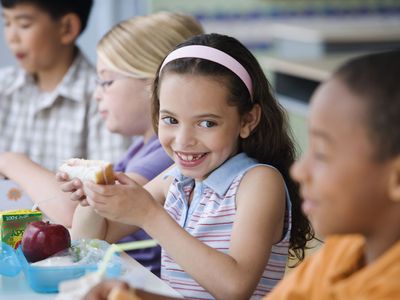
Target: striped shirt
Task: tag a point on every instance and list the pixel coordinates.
(50, 127)
(210, 219)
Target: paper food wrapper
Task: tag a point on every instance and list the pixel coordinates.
(77, 289)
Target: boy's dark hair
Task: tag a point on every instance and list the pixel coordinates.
(270, 142)
(375, 79)
(58, 8)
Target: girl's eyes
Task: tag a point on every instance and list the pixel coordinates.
(207, 124)
(173, 121)
(169, 120)
(104, 84)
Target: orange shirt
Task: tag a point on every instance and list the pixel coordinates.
(333, 274)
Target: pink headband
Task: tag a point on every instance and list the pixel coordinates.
(215, 55)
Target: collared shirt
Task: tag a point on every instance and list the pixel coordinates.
(210, 219)
(51, 127)
(334, 272)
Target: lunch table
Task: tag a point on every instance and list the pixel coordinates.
(133, 272)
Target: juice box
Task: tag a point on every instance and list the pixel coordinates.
(13, 224)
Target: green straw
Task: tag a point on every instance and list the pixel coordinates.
(114, 248)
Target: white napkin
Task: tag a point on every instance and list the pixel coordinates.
(78, 288)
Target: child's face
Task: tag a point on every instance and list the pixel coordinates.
(124, 102)
(197, 127)
(343, 186)
(32, 36)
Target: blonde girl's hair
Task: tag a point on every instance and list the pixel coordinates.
(136, 47)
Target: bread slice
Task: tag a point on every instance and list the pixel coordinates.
(119, 293)
(98, 171)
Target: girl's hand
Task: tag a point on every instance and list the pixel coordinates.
(125, 202)
(74, 187)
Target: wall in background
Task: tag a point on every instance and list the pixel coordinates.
(234, 17)
(252, 21)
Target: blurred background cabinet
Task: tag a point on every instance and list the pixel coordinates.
(295, 80)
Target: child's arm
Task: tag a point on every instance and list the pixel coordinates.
(86, 222)
(108, 216)
(89, 224)
(258, 225)
(40, 185)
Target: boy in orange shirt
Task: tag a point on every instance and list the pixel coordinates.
(350, 181)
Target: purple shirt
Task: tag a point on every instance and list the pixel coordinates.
(148, 160)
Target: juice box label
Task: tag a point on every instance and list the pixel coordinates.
(13, 224)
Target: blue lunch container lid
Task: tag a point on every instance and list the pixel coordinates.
(9, 263)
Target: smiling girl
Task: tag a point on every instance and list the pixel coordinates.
(227, 213)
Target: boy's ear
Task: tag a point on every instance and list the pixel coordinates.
(70, 28)
(394, 181)
(250, 121)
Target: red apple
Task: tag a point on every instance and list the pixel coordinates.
(43, 239)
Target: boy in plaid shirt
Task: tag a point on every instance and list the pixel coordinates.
(47, 113)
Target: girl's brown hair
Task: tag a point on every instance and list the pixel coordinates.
(270, 142)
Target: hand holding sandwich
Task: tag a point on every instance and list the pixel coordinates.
(125, 202)
(74, 171)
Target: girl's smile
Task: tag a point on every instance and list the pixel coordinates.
(190, 160)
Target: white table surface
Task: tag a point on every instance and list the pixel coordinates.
(134, 273)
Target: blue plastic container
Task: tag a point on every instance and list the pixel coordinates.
(46, 279)
(9, 264)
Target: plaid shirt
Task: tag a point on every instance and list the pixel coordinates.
(51, 127)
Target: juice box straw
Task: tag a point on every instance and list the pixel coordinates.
(123, 247)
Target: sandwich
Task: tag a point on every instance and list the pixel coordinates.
(98, 171)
